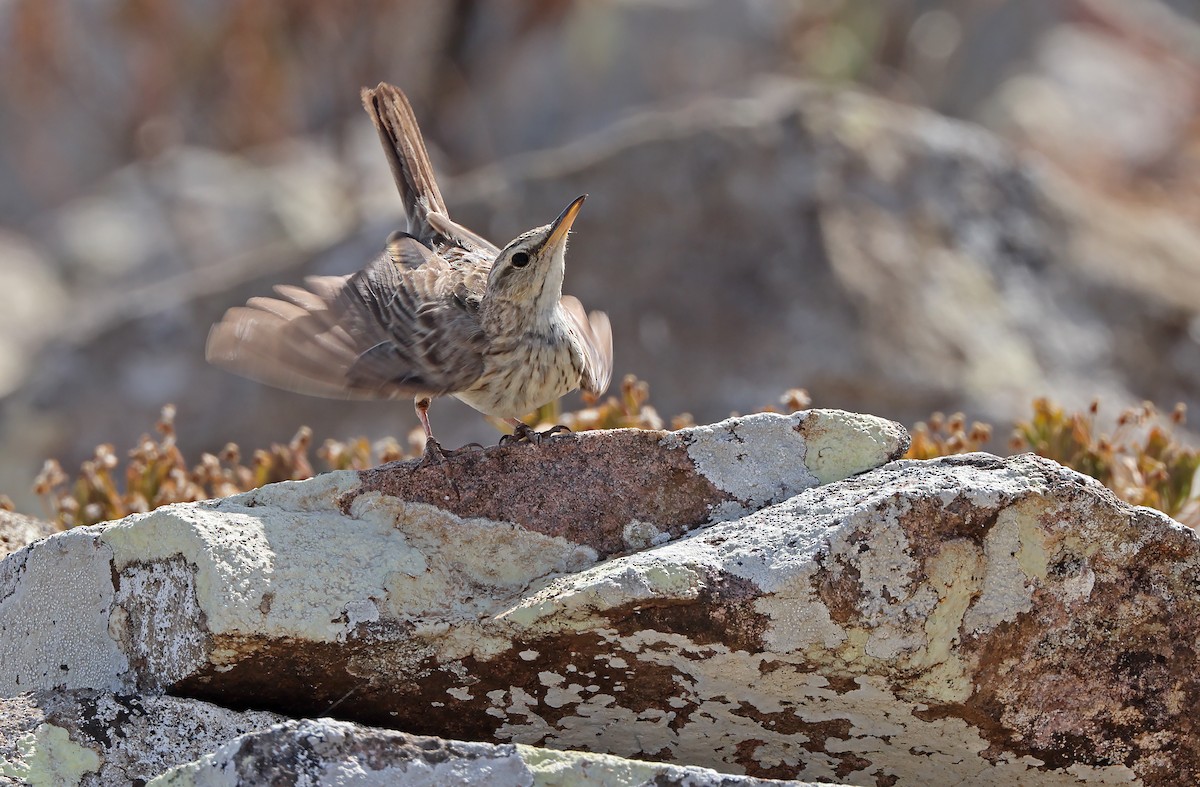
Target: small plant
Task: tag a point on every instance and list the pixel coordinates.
(1141, 461)
(630, 409)
(360, 454)
(157, 474)
(942, 436)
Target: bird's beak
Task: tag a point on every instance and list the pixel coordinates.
(562, 225)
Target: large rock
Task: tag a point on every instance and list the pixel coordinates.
(104, 739)
(970, 619)
(61, 737)
(336, 753)
(178, 594)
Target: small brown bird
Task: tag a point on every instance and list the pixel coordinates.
(440, 312)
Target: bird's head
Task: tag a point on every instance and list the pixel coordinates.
(530, 269)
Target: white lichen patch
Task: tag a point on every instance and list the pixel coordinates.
(265, 571)
(56, 599)
(462, 568)
(579, 600)
(729, 697)
(1014, 562)
(576, 768)
(284, 561)
(954, 573)
(842, 444)
(800, 622)
(637, 536)
(319, 493)
(48, 757)
(758, 459)
(552, 768)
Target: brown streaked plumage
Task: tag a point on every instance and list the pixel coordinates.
(442, 311)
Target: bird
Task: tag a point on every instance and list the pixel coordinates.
(441, 311)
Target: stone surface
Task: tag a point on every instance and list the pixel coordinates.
(100, 739)
(193, 591)
(331, 753)
(970, 619)
(654, 484)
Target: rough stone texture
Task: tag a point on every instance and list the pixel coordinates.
(100, 739)
(333, 753)
(97, 738)
(244, 584)
(18, 531)
(655, 484)
(964, 620)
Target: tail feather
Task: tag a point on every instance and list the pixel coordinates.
(402, 143)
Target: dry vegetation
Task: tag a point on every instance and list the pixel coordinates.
(1142, 460)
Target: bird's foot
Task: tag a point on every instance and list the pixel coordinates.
(435, 454)
(527, 434)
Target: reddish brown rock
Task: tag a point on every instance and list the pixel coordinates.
(590, 488)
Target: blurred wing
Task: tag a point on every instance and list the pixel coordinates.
(595, 334)
(384, 332)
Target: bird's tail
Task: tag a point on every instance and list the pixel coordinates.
(401, 137)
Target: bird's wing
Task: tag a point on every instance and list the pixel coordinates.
(405, 150)
(595, 334)
(384, 332)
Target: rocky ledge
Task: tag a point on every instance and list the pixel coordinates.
(774, 596)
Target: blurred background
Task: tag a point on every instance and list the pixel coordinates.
(903, 207)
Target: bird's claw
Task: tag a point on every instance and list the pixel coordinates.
(527, 434)
(435, 454)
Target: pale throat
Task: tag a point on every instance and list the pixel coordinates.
(551, 292)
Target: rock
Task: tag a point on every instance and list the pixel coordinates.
(18, 531)
(337, 753)
(827, 226)
(656, 485)
(191, 594)
(969, 619)
(64, 737)
(59, 737)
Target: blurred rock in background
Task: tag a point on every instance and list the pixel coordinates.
(757, 220)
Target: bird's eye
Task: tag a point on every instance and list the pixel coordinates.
(520, 259)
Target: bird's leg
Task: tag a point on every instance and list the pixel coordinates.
(433, 449)
(524, 433)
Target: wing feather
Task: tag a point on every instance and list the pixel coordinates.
(595, 334)
(384, 332)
